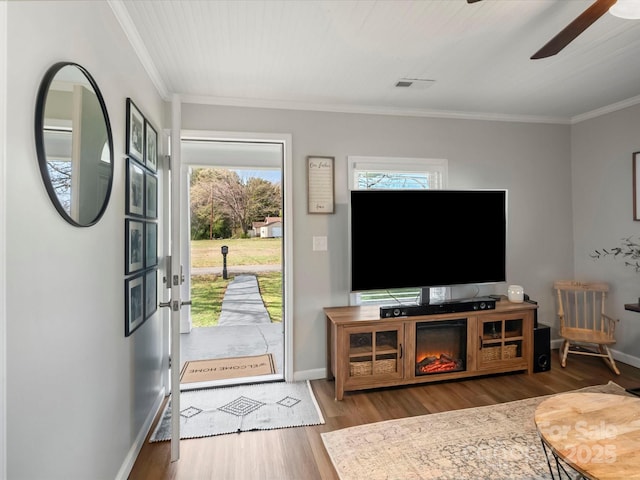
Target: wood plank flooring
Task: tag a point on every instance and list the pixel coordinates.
(298, 453)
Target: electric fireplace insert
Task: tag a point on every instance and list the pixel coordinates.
(441, 347)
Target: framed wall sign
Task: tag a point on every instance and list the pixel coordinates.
(320, 184)
(636, 186)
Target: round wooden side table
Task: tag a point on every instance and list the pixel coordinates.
(595, 434)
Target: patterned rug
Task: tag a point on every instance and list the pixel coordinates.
(493, 442)
(264, 406)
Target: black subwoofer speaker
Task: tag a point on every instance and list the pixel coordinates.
(541, 348)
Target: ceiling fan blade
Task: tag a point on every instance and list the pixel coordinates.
(574, 29)
(473, 1)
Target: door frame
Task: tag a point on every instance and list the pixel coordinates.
(287, 254)
(3, 239)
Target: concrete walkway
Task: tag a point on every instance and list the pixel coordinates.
(242, 303)
(244, 328)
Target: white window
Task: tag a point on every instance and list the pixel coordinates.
(393, 173)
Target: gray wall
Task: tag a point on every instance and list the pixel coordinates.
(79, 394)
(533, 161)
(601, 152)
(78, 391)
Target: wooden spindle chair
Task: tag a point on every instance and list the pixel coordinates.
(584, 326)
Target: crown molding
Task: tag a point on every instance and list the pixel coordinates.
(630, 102)
(130, 30)
(368, 110)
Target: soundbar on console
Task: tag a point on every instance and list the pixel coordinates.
(454, 306)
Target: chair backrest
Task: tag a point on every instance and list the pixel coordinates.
(581, 305)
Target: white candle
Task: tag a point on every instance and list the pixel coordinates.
(515, 293)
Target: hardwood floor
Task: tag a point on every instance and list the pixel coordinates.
(298, 453)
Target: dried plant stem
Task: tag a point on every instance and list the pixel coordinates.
(629, 250)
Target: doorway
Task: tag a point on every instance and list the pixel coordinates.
(250, 319)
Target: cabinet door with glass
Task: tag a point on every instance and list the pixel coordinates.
(375, 353)
(502, 340)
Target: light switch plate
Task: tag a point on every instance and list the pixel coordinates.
(319, 244)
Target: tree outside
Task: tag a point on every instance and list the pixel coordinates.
(224, 207)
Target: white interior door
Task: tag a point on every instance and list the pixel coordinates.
(175, 276)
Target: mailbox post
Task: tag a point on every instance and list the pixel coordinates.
(224, 250)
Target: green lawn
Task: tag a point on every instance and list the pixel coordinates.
(242, 251)
(207, 291)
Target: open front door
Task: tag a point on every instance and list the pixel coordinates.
(175, 277)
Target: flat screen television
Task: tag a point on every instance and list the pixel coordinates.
(427, 238)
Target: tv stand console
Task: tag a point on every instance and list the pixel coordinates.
(365, 351)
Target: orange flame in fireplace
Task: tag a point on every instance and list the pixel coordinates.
(438, 362)
(420, 356)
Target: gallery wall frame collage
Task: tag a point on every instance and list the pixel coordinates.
(141, 220)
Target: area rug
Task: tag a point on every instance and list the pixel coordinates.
(493, 442)
(264, 406)
(225, 368)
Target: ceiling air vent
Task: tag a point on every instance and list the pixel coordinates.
(414, 83)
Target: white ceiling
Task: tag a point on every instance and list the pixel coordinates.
(347, 55)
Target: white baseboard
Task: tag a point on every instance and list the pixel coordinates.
(315, 374)
(626, 358)
(131, 457)
(617, 355)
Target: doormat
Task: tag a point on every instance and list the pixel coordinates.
(265, 406)
(224, 368)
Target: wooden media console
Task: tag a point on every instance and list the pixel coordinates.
(365, 351)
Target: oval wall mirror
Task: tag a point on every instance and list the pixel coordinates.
(74, 143)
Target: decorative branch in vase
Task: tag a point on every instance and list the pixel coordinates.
(629, 250)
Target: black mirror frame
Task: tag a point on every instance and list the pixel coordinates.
(43, 91)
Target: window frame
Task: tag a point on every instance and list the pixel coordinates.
(356, 164)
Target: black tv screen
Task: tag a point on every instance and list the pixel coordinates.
(427, 238)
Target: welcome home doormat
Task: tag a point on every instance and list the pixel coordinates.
(224, 368)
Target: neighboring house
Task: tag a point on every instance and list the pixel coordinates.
(255, 229)
(270, 228)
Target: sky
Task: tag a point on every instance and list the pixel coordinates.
(273, 176)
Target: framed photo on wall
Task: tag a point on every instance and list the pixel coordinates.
(135, 132)
(150, 292)
(150, 146)
(134, 303)
(150, 244)
(636, 186)
(135, 189)
(151, 197)
(134, 245)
